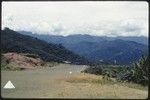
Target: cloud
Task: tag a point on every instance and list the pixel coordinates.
(65, 18)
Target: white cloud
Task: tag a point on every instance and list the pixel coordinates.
(65, 18)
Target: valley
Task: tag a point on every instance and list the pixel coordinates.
(39, 69)
(100, 49)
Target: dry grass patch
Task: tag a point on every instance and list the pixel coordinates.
(78, 88)
(133, 85)
(88, 78)
(83, 78)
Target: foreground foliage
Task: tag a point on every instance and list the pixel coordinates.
(137, 72)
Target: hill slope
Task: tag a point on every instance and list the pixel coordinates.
(14, 42)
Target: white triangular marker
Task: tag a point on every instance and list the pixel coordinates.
(9, 85)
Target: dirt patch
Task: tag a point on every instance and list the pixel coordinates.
(18, 60)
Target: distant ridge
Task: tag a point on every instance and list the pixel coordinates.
(84, 37)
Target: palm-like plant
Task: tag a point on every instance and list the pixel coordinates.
(140, 71)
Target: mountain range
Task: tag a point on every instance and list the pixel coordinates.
(118, 50)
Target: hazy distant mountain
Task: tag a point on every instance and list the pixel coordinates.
(122, 50)
(85, 38)
(141, 39)
(12, 41)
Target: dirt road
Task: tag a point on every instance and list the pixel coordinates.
(63, 81)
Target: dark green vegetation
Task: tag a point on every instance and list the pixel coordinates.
(14, 42)
(104, 50)
(137, 72)
(31, 55)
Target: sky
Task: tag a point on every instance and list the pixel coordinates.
(98, 18)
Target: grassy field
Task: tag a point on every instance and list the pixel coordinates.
(57, 82)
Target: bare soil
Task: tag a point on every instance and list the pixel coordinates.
(58, 82)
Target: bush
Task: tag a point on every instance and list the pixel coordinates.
(138, 72)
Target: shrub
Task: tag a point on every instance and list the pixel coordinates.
(138, 72)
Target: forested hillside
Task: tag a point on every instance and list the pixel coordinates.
(12, 41)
